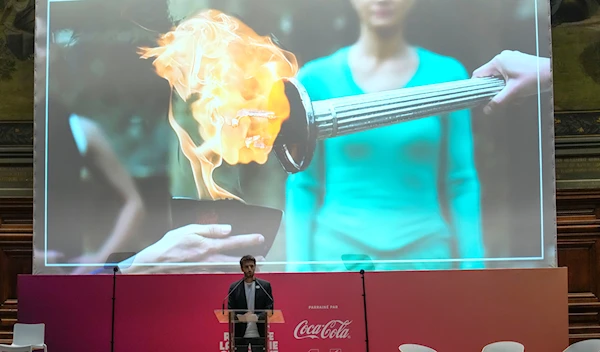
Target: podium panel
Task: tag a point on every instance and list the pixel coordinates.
(240, 316)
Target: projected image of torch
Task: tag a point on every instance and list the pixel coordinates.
(248, 102)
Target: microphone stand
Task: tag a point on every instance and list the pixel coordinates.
(114, 290)
(124, 259)
(350, 261)
(364, 294)
(268, 295)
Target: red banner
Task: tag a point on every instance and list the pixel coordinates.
(466, 310)
(449, 311)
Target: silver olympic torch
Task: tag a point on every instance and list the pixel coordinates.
(311, 121)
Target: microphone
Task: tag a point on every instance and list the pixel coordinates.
(268, 295)
(229, 294)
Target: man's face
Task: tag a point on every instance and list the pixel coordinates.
(248, 268)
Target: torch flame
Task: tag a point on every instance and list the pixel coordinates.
(236, 77)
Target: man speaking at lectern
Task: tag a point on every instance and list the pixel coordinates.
(250, 294)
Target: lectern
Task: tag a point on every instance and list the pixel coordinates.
(233, 317)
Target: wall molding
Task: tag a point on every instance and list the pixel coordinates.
(16, 159)
(16, 134)
(577, 123)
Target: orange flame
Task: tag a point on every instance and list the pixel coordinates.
(237, 78)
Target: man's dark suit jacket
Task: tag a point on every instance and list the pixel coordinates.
(237, 301)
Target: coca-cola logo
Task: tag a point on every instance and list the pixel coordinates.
(335, 329)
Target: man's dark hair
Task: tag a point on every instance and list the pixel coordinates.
(247, 258)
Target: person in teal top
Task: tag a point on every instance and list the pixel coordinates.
(383, 192)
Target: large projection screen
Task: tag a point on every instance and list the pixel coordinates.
(175, 136)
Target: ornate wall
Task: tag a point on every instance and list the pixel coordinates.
(17, 20)
(577, 127)
(578, 217)
(16, 216)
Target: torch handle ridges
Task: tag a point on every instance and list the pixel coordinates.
(340, 116)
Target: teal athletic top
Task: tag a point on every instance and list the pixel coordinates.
(376, 192)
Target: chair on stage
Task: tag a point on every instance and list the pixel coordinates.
(9, 348)
(592, 345)
(504, 346)
(29, 335)
(415, 348)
